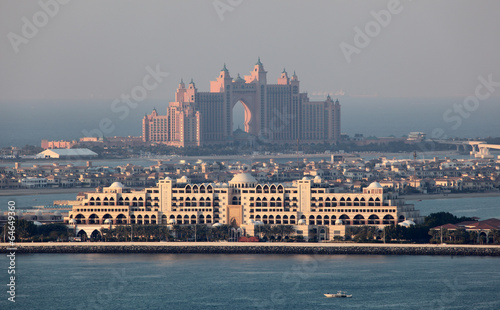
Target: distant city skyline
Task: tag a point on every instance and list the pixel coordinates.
(64, 64)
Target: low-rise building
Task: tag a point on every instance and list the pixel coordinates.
(33, 182)
(310, 205)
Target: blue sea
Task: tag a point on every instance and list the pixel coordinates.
(197, 281)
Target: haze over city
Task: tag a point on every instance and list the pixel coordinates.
(426, 58)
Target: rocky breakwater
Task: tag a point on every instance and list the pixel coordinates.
(330, 249)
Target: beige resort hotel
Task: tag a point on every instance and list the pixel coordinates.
(311, 205)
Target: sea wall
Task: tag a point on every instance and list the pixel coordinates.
(274, 249)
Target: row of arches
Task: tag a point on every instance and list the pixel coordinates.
(119, 219)
(95, 219)
(193, 219)
(325, 219)
(119, 202)
(346, 220)
(278, 219)
(342, 202)
(193, 202)
(269, 188)
(199, 189)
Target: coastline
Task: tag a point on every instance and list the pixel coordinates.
(253, 248)
(449, 196)
(43, 191)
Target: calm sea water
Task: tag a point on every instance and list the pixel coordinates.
(196, 281)
(482, 207)
(28, 201)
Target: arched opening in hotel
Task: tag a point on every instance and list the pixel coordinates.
(107, 216)
(271, 219)
(241, 116)
(373, 219)
(121, 219)
(93, 219)
(388, 219)
(96, 235)
(345, 218)
(359, 220)
(82, 234)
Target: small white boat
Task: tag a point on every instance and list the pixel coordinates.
(339, 294)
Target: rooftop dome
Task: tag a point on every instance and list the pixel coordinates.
(72, 221)
(57, 213)
(168, 179)
(243, 178)
(37, 223)
(259, 223)
(182, 179)
(171, 221)
(38, 213)
(117, 185)
(375, 185)
(339, 222)
(107, 221)
(301, 222)
(216, 225)
(251, 222)
(305, 178)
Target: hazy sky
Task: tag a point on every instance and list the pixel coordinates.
(97, 50)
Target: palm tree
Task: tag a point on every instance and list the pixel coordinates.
(495, 234)
(473, 235)
(288, 230)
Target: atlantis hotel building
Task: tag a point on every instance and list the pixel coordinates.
(274, 113)
(309, 204)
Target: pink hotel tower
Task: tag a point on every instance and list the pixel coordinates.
(274, 113)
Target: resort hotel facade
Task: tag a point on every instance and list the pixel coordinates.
(274, 113)
(310, 205)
